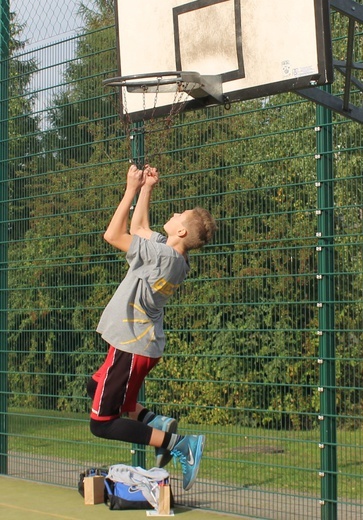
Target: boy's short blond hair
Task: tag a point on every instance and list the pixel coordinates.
(201, 227)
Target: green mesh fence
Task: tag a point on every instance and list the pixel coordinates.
(263, 340)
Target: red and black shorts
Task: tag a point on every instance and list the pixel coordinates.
(119, 380)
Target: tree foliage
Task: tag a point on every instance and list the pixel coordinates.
(24, 145)
(242, 344)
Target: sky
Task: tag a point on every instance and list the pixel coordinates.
(47, 22)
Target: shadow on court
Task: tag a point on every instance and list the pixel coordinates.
(26, 500)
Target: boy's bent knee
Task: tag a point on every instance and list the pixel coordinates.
(99, 428)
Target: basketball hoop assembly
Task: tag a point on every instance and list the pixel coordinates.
(182, 85)
(240, 50)
(201, 86)
(192, 83)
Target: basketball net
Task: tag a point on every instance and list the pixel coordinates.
(148, 138)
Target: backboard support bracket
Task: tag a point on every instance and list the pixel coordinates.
(346, 68)
(210, 86)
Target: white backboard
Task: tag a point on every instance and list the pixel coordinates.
(254, 47)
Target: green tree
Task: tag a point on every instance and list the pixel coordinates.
(84, 100)
(247, 313)
(241, 345)
(24, 145)
(65, 268)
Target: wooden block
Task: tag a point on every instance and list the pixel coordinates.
(164, 500)
(94, 490)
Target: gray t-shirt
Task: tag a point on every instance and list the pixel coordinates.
(133, 319)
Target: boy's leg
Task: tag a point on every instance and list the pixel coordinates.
(112, 383)
(163, 424)
(141, 367)
(188, 449)
(160, 422)
(118, 384)
(125, 430)
(141, 413)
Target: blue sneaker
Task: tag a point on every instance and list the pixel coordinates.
(165, 424)
(189, 451)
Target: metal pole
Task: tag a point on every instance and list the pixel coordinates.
(4, 115)
(138, 149)
(327, 362)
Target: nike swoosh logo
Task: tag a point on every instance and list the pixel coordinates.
(190, 459)
(133, 489)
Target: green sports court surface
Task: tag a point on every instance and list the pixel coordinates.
(25, 500)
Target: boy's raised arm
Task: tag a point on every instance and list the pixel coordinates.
(117, 233)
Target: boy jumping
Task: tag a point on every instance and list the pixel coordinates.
(132, 323)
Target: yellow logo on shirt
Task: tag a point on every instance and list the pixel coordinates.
(164, 287)
(149, 329)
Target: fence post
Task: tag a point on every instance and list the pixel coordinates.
(327, 385)
(4, 114)
(137, 149)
